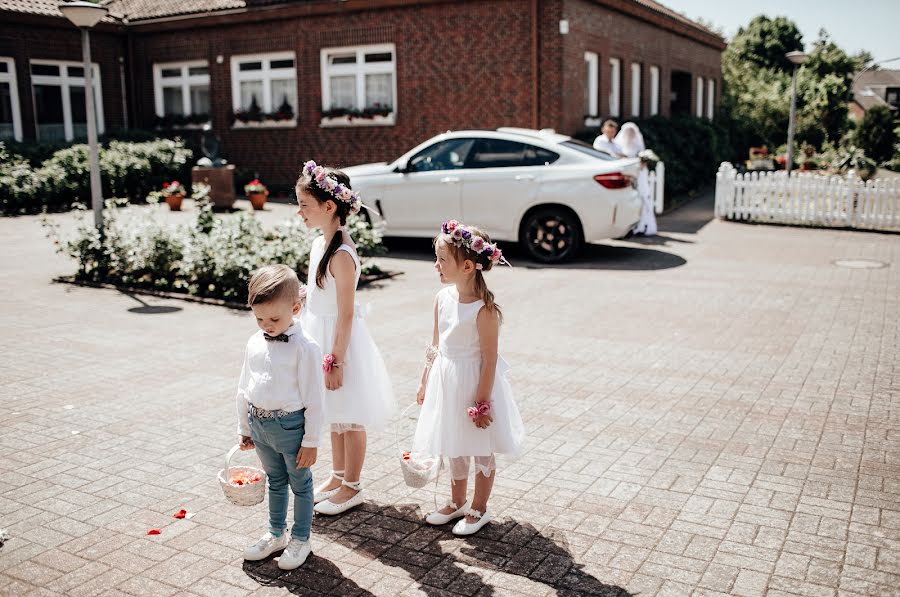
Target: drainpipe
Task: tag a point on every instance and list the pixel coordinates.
(535, 75)
(124, 94)
(131, 91)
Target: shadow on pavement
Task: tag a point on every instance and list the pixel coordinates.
(148, 309)
(691, 217)
(434, 558)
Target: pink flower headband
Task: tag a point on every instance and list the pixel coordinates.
(330, 185)
(464, 236)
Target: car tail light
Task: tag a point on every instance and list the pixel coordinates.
(614, 180)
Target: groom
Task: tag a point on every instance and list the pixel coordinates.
(606, 140)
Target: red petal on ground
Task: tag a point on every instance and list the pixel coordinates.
(154, 532)
(180, 514)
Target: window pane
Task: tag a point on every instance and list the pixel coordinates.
(172, 103)
(342, 58)
(289, 63)
(343, 92)
(171, 72)
(446, 155)
(284, 95)
(4, 67)
(379, 91)
(587, 149)
(245, 66)
(200, 99)
(379, 57)
(45, 69)
(498, 153)
(49, 112)
(79, 112)
(6, 115)
(198, 70)
(538, 156)
(75, 71)
(251, 95)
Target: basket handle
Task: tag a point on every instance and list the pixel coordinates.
(231, 453)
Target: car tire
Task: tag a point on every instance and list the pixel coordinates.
(551, 235)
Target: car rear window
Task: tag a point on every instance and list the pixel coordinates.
(586, 149)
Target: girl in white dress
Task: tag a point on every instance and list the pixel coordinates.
(468, 409)
(358, 395)
(631, 141)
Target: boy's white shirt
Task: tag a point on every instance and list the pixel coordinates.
(283, 376)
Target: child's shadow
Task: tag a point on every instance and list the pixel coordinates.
(317, 576)
(397, 536)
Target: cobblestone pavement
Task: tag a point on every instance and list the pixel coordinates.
(711, 411)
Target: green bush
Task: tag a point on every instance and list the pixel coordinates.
(876, 135)
(213, 257)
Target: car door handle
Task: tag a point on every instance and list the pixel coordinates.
(450, 179)
(525, 177)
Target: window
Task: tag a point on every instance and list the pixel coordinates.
(587, 149)
(60, 110)
(10, 117)
(264, 87)
(615, 68)
(710, 98)
(500, 153)
(592, 86)
(699, 112)
(445, 155)
(360, 81)
(654, 90)
(635, 89)
(892, 96)
(182, 91)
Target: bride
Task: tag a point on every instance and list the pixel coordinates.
(631, 142)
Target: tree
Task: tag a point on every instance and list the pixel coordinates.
(763, 44)
(876, 134)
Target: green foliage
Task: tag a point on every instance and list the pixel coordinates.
(763, 44)
(876, 134)
(212, 257)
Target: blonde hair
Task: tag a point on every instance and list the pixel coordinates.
(273, 282)
(461, 253)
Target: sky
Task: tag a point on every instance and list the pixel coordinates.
(871, 25)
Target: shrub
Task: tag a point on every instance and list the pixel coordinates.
(876, 135)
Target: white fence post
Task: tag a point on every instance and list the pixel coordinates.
(659, 187)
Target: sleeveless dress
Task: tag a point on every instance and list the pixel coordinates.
(366, 398)
(444, 428)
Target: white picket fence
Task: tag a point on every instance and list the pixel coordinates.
(657, 182)
(808, 199)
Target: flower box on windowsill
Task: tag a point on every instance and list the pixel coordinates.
(375, 120)
(183, 127)
(265, 124)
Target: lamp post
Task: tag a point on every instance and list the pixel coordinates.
(797, 58)
(85, 15)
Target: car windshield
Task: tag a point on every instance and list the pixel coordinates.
(586, 149)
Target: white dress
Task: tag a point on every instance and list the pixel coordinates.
(366, 397)
(444, 428)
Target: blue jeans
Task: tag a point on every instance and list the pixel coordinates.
(277, 444)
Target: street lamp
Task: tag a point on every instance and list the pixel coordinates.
(85, 15)
(797, 58)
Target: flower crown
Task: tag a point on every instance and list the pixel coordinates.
(464, 236)
(330, 185)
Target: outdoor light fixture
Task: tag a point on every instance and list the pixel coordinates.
(797, 58)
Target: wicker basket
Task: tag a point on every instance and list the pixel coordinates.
(417, 472)
(242, 495)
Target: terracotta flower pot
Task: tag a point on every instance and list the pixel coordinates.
(174, 201)
(258, 200)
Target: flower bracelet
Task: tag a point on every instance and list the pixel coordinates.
(479, 410)
(329, 362)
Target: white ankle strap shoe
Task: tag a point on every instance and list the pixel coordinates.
(464, 528)
(329, 508)
(436, 518)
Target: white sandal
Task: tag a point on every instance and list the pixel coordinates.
(329, 508)
(437, 518)
(464, 528)
(322, 495)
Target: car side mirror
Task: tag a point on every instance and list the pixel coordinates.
(402, 168)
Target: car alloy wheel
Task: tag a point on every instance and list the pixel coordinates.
(551, 235)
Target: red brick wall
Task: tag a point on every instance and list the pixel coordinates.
(59, 41)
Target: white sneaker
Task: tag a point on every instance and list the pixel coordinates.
(464, 528)
(266, 546)
(437, 518)
(294, 554)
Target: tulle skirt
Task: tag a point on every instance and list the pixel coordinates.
(444, 427)
(366, 397)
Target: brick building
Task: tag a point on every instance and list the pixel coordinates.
(355, 80)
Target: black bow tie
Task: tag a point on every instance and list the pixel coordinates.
(278, 338)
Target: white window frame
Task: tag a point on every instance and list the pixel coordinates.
(699, 102)
(64, 81)
(266, 75)
(615, 87)
(360, 70)
(185, 82)
(592, 63)
(10, 78)
(636, 88)
(710, 98)
(654, 90)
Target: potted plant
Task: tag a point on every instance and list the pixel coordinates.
(256, 192)
(173, 192)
